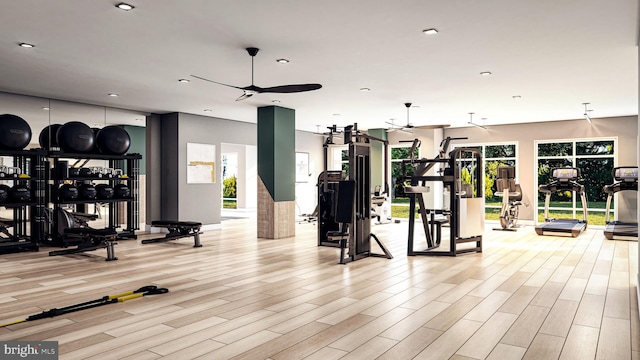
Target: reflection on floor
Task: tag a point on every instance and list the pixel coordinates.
(240, 297)
(231, 214)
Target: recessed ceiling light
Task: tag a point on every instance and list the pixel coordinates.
(282, 61)
(125, 7)
(113, 95)
(208, 110)
(516, 97)
(275, 101)
(485, 73)
(365, 89)
(26, 45)
(430, 31)
(46, 108)
(184, 80)
(336, 114)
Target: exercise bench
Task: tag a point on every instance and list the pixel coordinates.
(177, 230)
(89, 240)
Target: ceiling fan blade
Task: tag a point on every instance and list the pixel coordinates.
(246, 95)
(284, 89)
(431, 127)
(215, 82)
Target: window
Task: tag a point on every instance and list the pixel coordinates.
(493, 156)
(340, 159)
(595, 159)
(400, 200)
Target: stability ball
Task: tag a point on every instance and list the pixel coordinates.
(113, 140)
(75, 137)
(15, 133)
(47, 138)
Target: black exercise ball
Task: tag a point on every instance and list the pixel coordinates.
(68, 192)
(15, 133)
(105, 191)
(47, 138)
(113, 140)
(122, 191)
(20, 193)
(75, 137)
(5, 190)
(88, 191)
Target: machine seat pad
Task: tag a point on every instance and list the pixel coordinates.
(88, 231)
(169, 223)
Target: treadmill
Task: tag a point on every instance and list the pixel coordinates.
(625, 178)
(563, 179)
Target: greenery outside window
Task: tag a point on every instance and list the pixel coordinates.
(595, 158)
(493, 156)
(400, 200)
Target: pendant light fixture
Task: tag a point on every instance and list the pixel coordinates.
(474, 124)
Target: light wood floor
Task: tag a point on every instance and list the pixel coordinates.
(526, 296)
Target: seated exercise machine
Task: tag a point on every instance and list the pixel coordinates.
(74, 230)
(463, 209)
(177, 230)
(563, 179)
(344, 205)
(511, 194)
(626, 179)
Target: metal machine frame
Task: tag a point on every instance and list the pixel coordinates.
(465, 209)
(359, 229)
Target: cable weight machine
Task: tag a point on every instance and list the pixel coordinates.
(344, 204)
(463, 209)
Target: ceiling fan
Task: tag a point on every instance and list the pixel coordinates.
(409, 126)
(251, 90)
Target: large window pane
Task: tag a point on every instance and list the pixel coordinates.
(401, 153)
(399, 199)
(555, 149)
(594, 148)
(500, 151)
(596, 173)
(544, 177)
(595, 160)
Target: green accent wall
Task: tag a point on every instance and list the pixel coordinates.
(377, 158)
(138, 144)
(277, 151)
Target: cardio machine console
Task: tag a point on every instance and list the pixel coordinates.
(626, 174)
(565, 174)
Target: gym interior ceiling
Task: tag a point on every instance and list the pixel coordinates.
(546, 58)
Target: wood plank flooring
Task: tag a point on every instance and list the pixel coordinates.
(239, 297)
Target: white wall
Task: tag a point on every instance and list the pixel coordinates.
(307, 192)
(251, 177)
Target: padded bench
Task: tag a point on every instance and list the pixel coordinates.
(90, 239)
(177, 230)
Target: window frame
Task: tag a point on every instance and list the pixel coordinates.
(574, 157)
